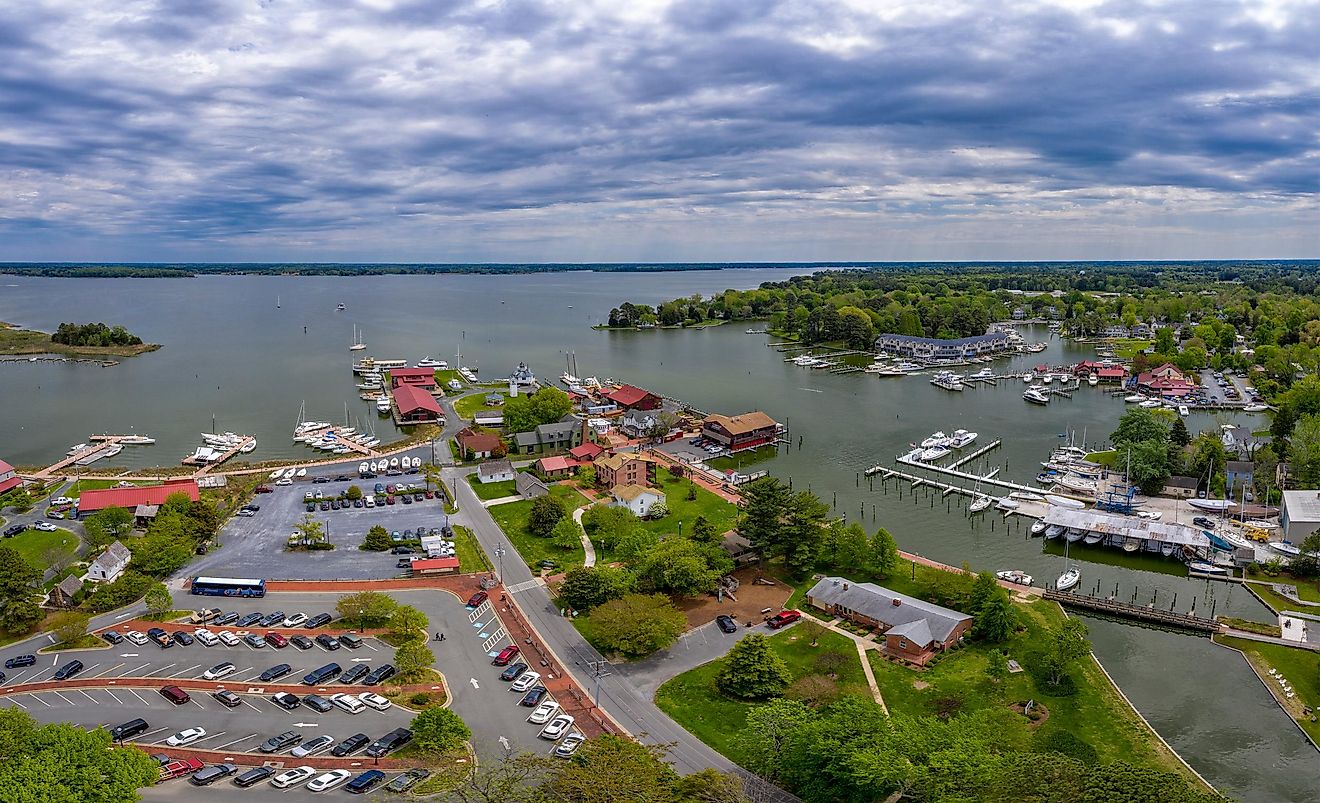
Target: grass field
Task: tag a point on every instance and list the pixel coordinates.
(719, 512)
(491, 490)
(32, 543)
(695, 703)
(512, 518)
(469, 406)
(1306, 590)
(1108, 458)
(1296, 665)
(471, 558)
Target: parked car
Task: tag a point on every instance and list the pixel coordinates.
(283, 741)
(129, 729)
(328, 641)
(353, 674)
(322, 674)
(347, 702)
(351, 745)
(379, 675)
(175, 695)
(276, 640)
(227, 618)
(275, 673)
(476, 599)
(525, 682)
(725, 622)
(253, 776)
(285, 700)
(406, 781)
(229, 638)
(365, 782)
(317, 703)
(186, 736)
(318, 621)
(254, 641)
(45, 527)
(264, 489)
(293, 777)
(543, 712)
(569, 745)
(301, 642)
(68, 670)
(328, 780)
(228, 699)
(373, 700)
(534, 696)
(513, 672)
(505, 655)
(112, 637)
(211, 774)
(557, 727)
(181, 637)
(312, 746)
(248, 620)
(273, 618)
(20, 661)
(350, 641)
(136, 637)
(161, 638)
(783, 618)
(389, 742)
(177, 768)
(14, 530)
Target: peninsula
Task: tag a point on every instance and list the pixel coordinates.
(73, 340)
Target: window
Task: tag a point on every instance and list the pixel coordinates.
(902, 644)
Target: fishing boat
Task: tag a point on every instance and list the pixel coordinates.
(1068, 579)
(1092, 539)
(1053, 531)
(1135, 398)
(1015, 576)
(979, 504)
(1035, 396)
(1063, 501)
(1026, 496)
(1202, 567)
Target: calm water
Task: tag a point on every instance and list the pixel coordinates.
(229, 352)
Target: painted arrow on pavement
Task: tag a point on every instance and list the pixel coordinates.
(474, 684)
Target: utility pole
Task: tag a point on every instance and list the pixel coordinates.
(598, 672)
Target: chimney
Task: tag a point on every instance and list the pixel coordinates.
(896, 602)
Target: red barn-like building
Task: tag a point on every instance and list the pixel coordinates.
(634, 398)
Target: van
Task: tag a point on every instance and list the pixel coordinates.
(350, 641)
(175, 695)
(318, 676)
(129, 729)
(68, 670)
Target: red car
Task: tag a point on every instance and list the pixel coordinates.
(477, 598)
(506, 655)
(783, 618)
(265, 489)
(276, 640)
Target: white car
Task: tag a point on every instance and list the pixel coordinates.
(295, 620)
(45, 527)
(292, 777)
(557, 727)
(570, 745)
(136, 637)
(312, 746)
(525, 681)
(219, 670)
(329, 780)
(544, 712)
(205, 637)
(230, 639)
(60, 501)
(369, 500)
(187, 736)
(347, 702)
(284, 481)
(374, 700)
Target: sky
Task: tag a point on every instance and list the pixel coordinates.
(653, 130)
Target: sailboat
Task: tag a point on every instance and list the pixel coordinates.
(357, 345)
(1071, 575)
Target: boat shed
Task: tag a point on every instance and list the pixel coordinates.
(1301, 514)
(1152, 535)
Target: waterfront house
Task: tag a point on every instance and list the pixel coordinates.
(556, 467)
(522, 377)
(1239, 475)
(738, 432)
(65, 593)
(638, 424)
(9, 479)
(495, 471)
(1300, 514)
(431, 567)
(549, 438)
(930, 348)
(637, 498)
(110, 564)
(529, 486)
(130, 496)
(415, 377)
(1166, 380)
(1019, 314)
(416, 406)
(625, 468)
(476, 445)
(1180, 487)
(914, 630)
(634, 398)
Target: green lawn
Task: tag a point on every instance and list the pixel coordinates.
(512, 518)
(1127, 348)
(471, 558)
(1108, 458)
(743, 459)
(469, 406)
(695, 703)
(491, 490)
(32, 543)
(1305, 590)
(1297, 666)
(76, 489)
(716, 509)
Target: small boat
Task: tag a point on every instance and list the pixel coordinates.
(1132, 545)
(1134, 398)
(75, 449)
(340, 308)
(1216, 505)
(1047, 379)
(1151, 403)
(137, 440)
(1015, 576)
(417, 462)
(1261, 524)
(1255, 408)
(302, 472)
(1182, 410)
(1073, 535)
(1167, 548)
(1026, 496)
(1068, 579)
(961, 438)
(1150, 515)
(1063, 501)
(362, 468)
(1202, 567)
(289, 473)
(1039, 528)
(1006, 504)
(1285, 548)
(1093, 380)
(1035, 396)
(1092, 539)
(936, 453)
(1053, 531)
(250, 445)
(979, 504)
(1077, 484)
(394, 462)
(277, 473)
(1047, 477)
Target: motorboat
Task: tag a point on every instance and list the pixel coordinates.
(1073, 535)
(936, 439)
(289, 473)
(1063, 501)
(1077, 484)
(1255, 408)
(1285, 548)
(1035, 396)
(1167, 548)
(417, 462)
(1053, 530)
(1015, 576)
(302, 472)
(136, 440)
(1091, 539)
(1132, 545)
(1026, 496)
(1134, 398)
(1151, 404)
(394, 462)
(934, 453)
(1150, 515)
(1047, 477)
(1216, 505)
(1182, 410)
(362, 467)
(947, 380)
(250, 445)
(1047, 379)
(1202, 567)
(961, 438)
(1038, 528)
(75, 449)
(1068, 579)
(979, 504)
(984, 373)
(383, 404)
(340, 308)
(1093, 380)
(427, 362)
(1005, 504)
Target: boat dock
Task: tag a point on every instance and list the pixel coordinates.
(353, 445)
(953, 472)
(965, 459)
(205, 467)
(99, 443)
(1129, 610)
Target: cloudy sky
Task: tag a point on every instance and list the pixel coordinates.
(605, 130)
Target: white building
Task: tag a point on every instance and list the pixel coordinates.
(1300, 514)
(495, 471)
(111, 563)
(637, 498)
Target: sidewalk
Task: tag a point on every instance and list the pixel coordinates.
(863, 643)
(587, 546)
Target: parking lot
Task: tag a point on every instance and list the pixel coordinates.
(254, 546)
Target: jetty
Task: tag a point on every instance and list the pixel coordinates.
(965, 459)
(1107, 606)
(207, 466)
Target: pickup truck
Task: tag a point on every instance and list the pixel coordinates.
(179, 768)
(203, 616)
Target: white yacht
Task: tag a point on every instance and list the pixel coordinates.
(1015, 576)
(357, 344)
(1068, 579)
(1093, 380)
(1150, 404)
(1134, 398)
(979, 503)
(934, 453)
(383, 404)
(1035, 396)
(937, 438)
(961, 438)
(76, 449)
(1255, 408)
(427, 362)
(1182, 410)
(947, 380)
(136, 440)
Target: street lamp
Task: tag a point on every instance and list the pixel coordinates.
(499, 555)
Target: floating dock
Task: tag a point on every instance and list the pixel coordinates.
(965, 459)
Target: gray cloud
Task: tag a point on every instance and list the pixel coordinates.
(675, 130)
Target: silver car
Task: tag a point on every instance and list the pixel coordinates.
(312, 746)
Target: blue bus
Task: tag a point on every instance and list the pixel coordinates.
(228, 587)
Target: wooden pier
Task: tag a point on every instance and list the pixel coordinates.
(1128, 610)
(205, 467)
(991, 446)
(988, 478)
(98, 443)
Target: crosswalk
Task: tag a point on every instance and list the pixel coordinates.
(525, 585)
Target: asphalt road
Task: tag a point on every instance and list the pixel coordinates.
(698, 646)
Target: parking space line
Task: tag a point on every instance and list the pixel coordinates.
(35, 677)
(236, 741)
(112, 694)
(367, 644)
(38, 699)
(15, 678)
(89, 697)
(108, 669)
(181, 671)
(249, 705)
(135, 694)
(154, 671)
(134, 669)
(212, 736)
(61, 696)
(154, 732)
(15, 702)
(194, 702)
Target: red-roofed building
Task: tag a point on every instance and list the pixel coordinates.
(557, 467)
(416, 406)
(9, 480)
(477, 444)
(419, 377)
(129, 498)
(1111, 373)
(634, 398)
(1166, 380)
(432, 566)
(586, 452)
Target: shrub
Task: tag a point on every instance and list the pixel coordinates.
(1061, 741)
(419, 699)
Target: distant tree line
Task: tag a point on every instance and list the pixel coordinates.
(94, 334)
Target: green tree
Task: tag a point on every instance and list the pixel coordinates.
(996, 619)
(69, 626)
(585, 588)
(884, 553)
(545, 406)
(566, 534)
(853, 550)
(353, 492)
(1209, 457)
(612, 768)
(406, 622)
(703, 532)
(803, 532)
(19, 611)
(752, 671)
(439, 730)
(377, 540)
(765, 506)
(545, 513)
(158, 600)
(608, 525)
(679, 566)
(1178, 435)
(1149, 466)
(997, 668)
(66, 763)
(768, 732)
(367, 608)
(1139, 425)
(637, 624)
(412, 657)
(310, 530)
(1066, 646)
(104, 526)
(1304, 451)
(586, 476)
(1164, 343)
